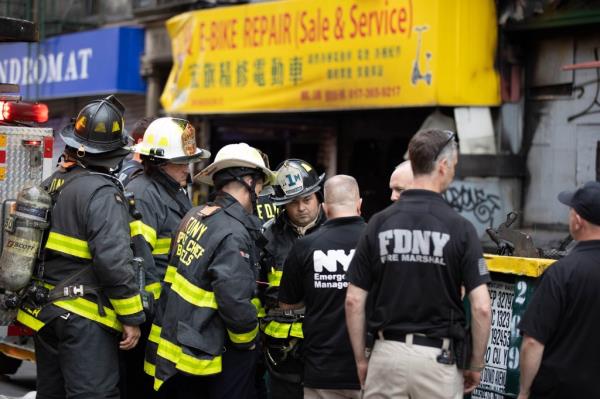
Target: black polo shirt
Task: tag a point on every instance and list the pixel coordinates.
(314, 273)
(564, 315)
(413, 258)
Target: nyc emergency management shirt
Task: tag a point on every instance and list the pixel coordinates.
(413, 258)
(315, 273)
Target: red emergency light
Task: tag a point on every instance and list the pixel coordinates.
(11, 111)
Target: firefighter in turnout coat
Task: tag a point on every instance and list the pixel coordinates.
(298, 191)
(166, 150)
(207, 333)
(93, 305)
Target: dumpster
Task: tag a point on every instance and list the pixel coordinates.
(514, 280)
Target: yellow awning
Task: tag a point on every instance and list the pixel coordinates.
(299, 55)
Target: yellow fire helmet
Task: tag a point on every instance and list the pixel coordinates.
(239, 155)
(171, 140)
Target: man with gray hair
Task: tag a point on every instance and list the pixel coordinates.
(412, 260)
(400, 180)
(314, 276)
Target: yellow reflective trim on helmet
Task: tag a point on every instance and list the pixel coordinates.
(68, 245)
(276, 329)
(162, 246)
(274, 277)
(296, 330)
(242, 338)
(157, 383)
(155, 289)
(100, 127)
(137, 227)
(149, 368)
(80, 124)
(187, 363)
(154, 335)
(306, 166)
(29, 321)
(127, 306)
(260, 310)
(163, 142)
(116, 127)
(193, 294)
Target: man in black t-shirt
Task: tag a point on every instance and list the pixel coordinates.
(412, 260)
(314, 276)
(560, 350)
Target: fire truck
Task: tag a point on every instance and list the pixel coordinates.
(25, 159)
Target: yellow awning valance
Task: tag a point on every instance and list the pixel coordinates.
(297, 55)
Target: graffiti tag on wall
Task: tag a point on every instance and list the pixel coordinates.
(479, 202)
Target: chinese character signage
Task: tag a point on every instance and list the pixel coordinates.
(333, 54)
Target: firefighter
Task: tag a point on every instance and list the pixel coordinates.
(298, 191)
(207, 333)
(133, 166)
(166, 150)
(93, 306)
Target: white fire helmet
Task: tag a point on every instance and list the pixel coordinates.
(171, 140)
(236, 155)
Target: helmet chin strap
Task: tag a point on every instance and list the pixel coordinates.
(251, 189)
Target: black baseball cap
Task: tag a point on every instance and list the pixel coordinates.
(585, 201)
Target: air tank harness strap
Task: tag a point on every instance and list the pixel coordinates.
(66, 289)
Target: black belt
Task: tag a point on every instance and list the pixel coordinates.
(417, 339)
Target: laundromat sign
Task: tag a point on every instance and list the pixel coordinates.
(333, 54)
(87, 63)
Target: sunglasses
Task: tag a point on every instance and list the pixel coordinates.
(451, 137)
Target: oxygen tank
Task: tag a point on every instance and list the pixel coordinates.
(24, 232)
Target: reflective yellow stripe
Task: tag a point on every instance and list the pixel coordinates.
(193, 294)
(187, 363)
(154, 335)
(137, 227)
(154, 289)
(274, 277)
(260, 310)
(149, 368)
(278, 330)
(296, 330)
(243, 338)
(162, 246)
(170, 274)
(127, 306)
(157, 383)
(29, 321)
(68, 245)
(89, 310)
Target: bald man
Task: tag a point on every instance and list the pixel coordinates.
(400, 180)
(314, 276)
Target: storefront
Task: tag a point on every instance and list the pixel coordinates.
(67, 71)
(343, 84)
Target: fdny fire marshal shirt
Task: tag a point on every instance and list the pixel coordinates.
(563, 315)
(413, 258)
(315, 273)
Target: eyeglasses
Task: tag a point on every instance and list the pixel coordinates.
(451, 137)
